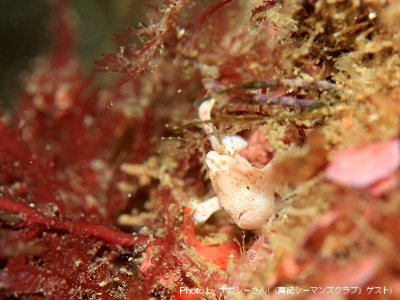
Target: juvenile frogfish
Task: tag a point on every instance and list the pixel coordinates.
(246, 193)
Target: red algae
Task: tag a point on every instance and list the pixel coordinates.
(98, 181)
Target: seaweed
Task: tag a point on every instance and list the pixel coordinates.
(99, 181)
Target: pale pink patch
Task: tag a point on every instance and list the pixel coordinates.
(356, 273)
(257, 150)
(289, 268)
(362, 166)
(382, 186)
(322, 224)
(146, 264)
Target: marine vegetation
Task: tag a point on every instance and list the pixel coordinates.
(238, 150)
